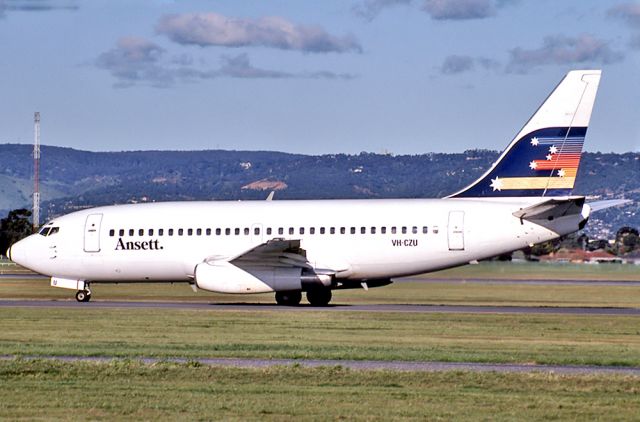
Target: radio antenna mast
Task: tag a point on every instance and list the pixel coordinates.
(36, 171)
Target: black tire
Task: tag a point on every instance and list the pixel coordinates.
(291, 298)
(81, 296)
(319, 296)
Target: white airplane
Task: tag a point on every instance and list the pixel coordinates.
(315, 246)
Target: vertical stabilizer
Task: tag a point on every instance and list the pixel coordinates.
(543, 158)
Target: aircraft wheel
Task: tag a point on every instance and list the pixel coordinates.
(319, 296)
(291, 298)
(83, 295)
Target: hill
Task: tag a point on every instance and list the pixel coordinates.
(72, 179)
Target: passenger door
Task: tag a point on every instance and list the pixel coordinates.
(455, 230)
(92, 233)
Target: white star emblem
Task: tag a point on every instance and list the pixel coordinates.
(496, 184)
(533, 165)
(534, 141)
(561, 173)
(549, 157)
(553, 149)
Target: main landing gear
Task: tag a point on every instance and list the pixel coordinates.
(316, 297)
(83, 295)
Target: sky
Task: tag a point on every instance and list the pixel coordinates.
(311, 77)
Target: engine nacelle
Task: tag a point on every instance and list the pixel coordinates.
(224, 277)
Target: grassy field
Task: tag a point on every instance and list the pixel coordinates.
(128, 390)
(164, 391)
(131, 333)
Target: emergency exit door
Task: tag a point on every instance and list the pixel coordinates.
(455, 230)
(92, 233)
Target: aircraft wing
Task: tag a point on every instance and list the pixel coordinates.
(274, 253)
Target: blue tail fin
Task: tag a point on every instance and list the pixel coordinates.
(543, 158)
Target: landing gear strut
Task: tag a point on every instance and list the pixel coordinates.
(319, 296)
(83, 295)
(291, 298)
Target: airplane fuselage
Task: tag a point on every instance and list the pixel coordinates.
(355, 239)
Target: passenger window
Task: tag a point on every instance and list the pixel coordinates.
(131, 232)
(190, 232)
(256, 230)
(198, 232)
(343, 230)
(363, 230)
(180, 232)
(218, 232)
(393, 230)
(425, 229)
(321, 230)
(280, 230)
(237, 231)
(269, 231)
(301, 230)
(404, 230)
(112, 232)
(160, 232)
(170, 232)
(383, 230)
(246, 231)
(140, 232)
(312, 230)
(150, 232)
(291, 230)
(208, 232)
(227, 232)
(353, 230)
(121, 232)
(414, 230)
(332, 230)
(373, 230)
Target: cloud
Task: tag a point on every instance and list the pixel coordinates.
(437, 9)
(459, 9)
(369, 9)
(563, 50)
(212, 29)
(36, 5)
(137, 61)
(628, 12)
(456, 64)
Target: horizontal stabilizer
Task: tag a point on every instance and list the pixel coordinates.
(552, 209)
(601, 205)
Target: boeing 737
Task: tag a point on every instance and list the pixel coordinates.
(316, 246)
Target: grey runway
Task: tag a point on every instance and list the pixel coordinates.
(370, 365)
(98, 304)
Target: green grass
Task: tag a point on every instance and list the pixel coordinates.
(165, 391)
(131, 333)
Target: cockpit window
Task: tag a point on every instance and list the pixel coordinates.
(48, 231)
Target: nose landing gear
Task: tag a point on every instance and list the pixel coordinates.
(83, 295)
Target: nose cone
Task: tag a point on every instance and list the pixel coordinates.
(18, 253)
